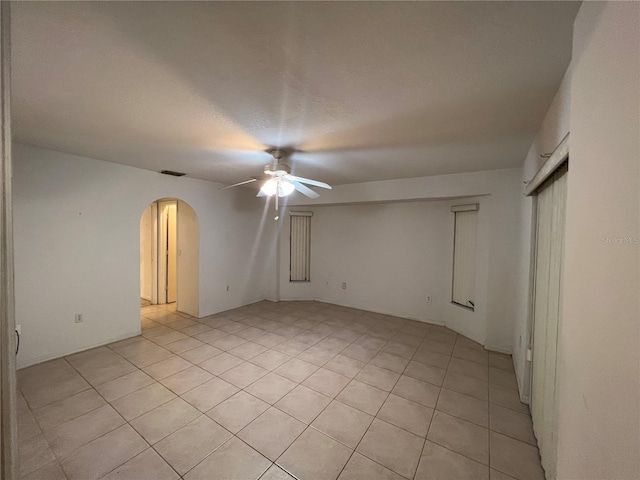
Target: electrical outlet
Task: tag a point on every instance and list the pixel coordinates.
(344, 285)
(79, 318)
(428, 299)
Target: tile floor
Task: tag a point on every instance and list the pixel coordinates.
(277, 391)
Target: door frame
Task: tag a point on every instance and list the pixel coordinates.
(9, 467)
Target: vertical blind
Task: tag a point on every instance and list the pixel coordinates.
(464, 255)
(550, 226)
(300, 247)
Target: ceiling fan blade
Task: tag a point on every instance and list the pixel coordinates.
(238, 184)
(303, 189)
(315, 183)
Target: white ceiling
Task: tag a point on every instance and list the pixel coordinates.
(365, 91)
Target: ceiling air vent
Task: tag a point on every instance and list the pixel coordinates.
(172, 173)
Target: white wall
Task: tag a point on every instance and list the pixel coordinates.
(146, 254)
(77, 227)
(599, 360)
(553, 129)
(353, 243)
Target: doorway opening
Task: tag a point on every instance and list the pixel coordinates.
(169, 256)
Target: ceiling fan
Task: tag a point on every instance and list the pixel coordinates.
(278, 180)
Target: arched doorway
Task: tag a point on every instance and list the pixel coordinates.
(169, 255)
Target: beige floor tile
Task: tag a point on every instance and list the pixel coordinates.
(181, 324)
(303, 403)
(195, 329)
(511, 423)
(271, 388)
(156, 331)
(327, 382)
(75, 433)
(220, 363)
(184, 345)
(270, 339)
(146, 466)
(51, 471)
(392, 447)
(315, 456)
(515, 458)
(62, 411)
(233, 460)
(248, 350)
(211, 335)
(271, 359)
(496, 475)
(232, 327)
(363, 397)
(477, 355)
(131, 346)
(429, 357)
(189, 445)
(27, 425)
(507, 397)
(164, 420)
(276, 473)
(349, 367)
(436, 345)
(360, 467)
(50, 381)
(332, 344)
(238, 411)
(400, 349)
(426, 373)
(142, 401)
(296, 370)
(250, 333)
(200, 354)
(34, 453)
(144, 359)
(228, 343)
(347, 335)
(244, 374)
(103, 454)
(463, 437)
(186, 380)
(467, 385)
(316, 355)
(170, 337)
(343, 423)
(272, 433)
(406, 414)
(390, 362)
(439, 463)
(124, 385)
(358, 352)
(167, 367)
(416, 390)
(291, 347)
(378, 377)
(464, 406)
(502, 378)
(470, 369)
(209, 394)
(501, 361)
(100, 365)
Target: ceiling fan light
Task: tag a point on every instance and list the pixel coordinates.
(285, 188)
(270, 187)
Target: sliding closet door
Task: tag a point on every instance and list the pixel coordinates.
(547, 312)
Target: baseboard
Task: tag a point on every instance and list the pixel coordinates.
(54, 356)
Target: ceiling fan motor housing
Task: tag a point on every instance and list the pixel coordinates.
(277, 169)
